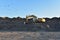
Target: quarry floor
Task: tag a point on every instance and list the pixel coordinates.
(17, 35)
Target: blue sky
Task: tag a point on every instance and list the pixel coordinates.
(40, 8)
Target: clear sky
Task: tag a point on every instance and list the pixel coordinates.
(40, 8)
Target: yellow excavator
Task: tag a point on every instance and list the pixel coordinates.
(30, 19)
(40, 20)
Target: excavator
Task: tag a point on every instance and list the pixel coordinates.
(39, 20)
(31, 19)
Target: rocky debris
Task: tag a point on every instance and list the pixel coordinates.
(17, 24)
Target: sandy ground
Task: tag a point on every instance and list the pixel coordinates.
(29, 35)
